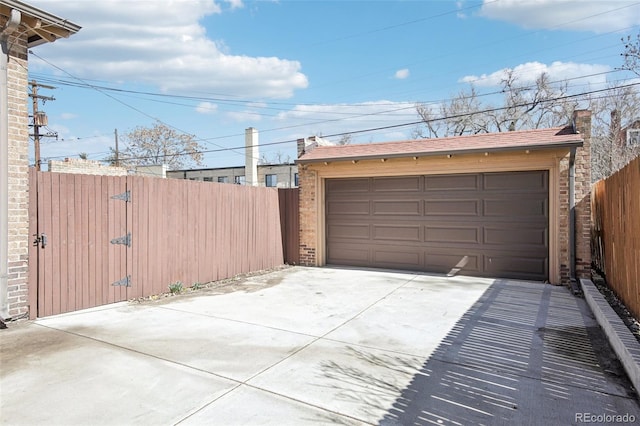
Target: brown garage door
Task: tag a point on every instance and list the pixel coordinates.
(485, 224)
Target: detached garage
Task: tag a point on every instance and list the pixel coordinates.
(491, 205)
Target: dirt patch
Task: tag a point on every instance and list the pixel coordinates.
(629, 320)
(248, 283)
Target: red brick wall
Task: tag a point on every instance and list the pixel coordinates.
(308, 217)
(582, 122)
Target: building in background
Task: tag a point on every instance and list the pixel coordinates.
(274, 175)
(95, 167)
(251, 174)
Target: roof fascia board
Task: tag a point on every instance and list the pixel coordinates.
(43, 24)
(573, 144)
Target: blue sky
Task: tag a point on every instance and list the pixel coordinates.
(296, 68)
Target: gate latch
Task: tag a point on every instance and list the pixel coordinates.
(40, 240)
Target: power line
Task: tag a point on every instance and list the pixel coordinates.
(413, 123)
(118, 100)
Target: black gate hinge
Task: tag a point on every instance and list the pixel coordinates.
(125, 282)
(125, 196)
(125, 240)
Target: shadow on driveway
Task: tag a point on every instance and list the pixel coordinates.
(522, 354)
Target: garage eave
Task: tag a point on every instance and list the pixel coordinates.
(41, 26)
(444, 152)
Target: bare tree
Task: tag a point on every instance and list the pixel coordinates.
(631, 54)
(523, 107)
(611, 114)
(462, 115)
(159, 145)
(277, 158)
(345, 139)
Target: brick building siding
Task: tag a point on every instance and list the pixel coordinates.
(18, 218)
(85, 167)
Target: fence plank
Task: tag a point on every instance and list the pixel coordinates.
(105, 238)
(33, 248)
(44, 219)
(77, 207)
(64, 244)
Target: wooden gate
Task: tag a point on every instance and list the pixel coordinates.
(74, 220)
(104, 239)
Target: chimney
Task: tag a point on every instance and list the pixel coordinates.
(615, 126)
(251, 156)
(308, 144)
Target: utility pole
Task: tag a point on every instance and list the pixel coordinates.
(39, 118)
(117, 153)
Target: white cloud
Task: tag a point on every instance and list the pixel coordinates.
(207, 108)
(235, 4)
(165, 46)
(596, 16)
(459, 6)
(557, 71)
(331, 119)
(246, 116)
(402, 74)
(68, 116)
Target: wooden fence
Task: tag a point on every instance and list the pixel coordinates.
(615, 209)
(103, 239)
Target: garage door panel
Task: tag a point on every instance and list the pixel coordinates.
(338, 186)
(401, 184)
(452, 234)
(348, 208)
(515, 266)
(515, 207)
(348, 254)
(398, 257)
(349, 231)
(444, 262)
(397, 232)
(452, 182)
(516, 236)
(482, 224)
(452, 207)
(520, 182)
(398, 207)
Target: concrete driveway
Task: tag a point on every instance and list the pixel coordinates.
(319, 346)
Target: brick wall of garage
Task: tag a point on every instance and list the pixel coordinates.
(309, 215)
(18, 175)
(582, 120)
(582, 191)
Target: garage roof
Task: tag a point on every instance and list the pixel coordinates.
(557, 137)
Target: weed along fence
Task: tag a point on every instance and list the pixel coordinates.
(616, 232)
(104, 239)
